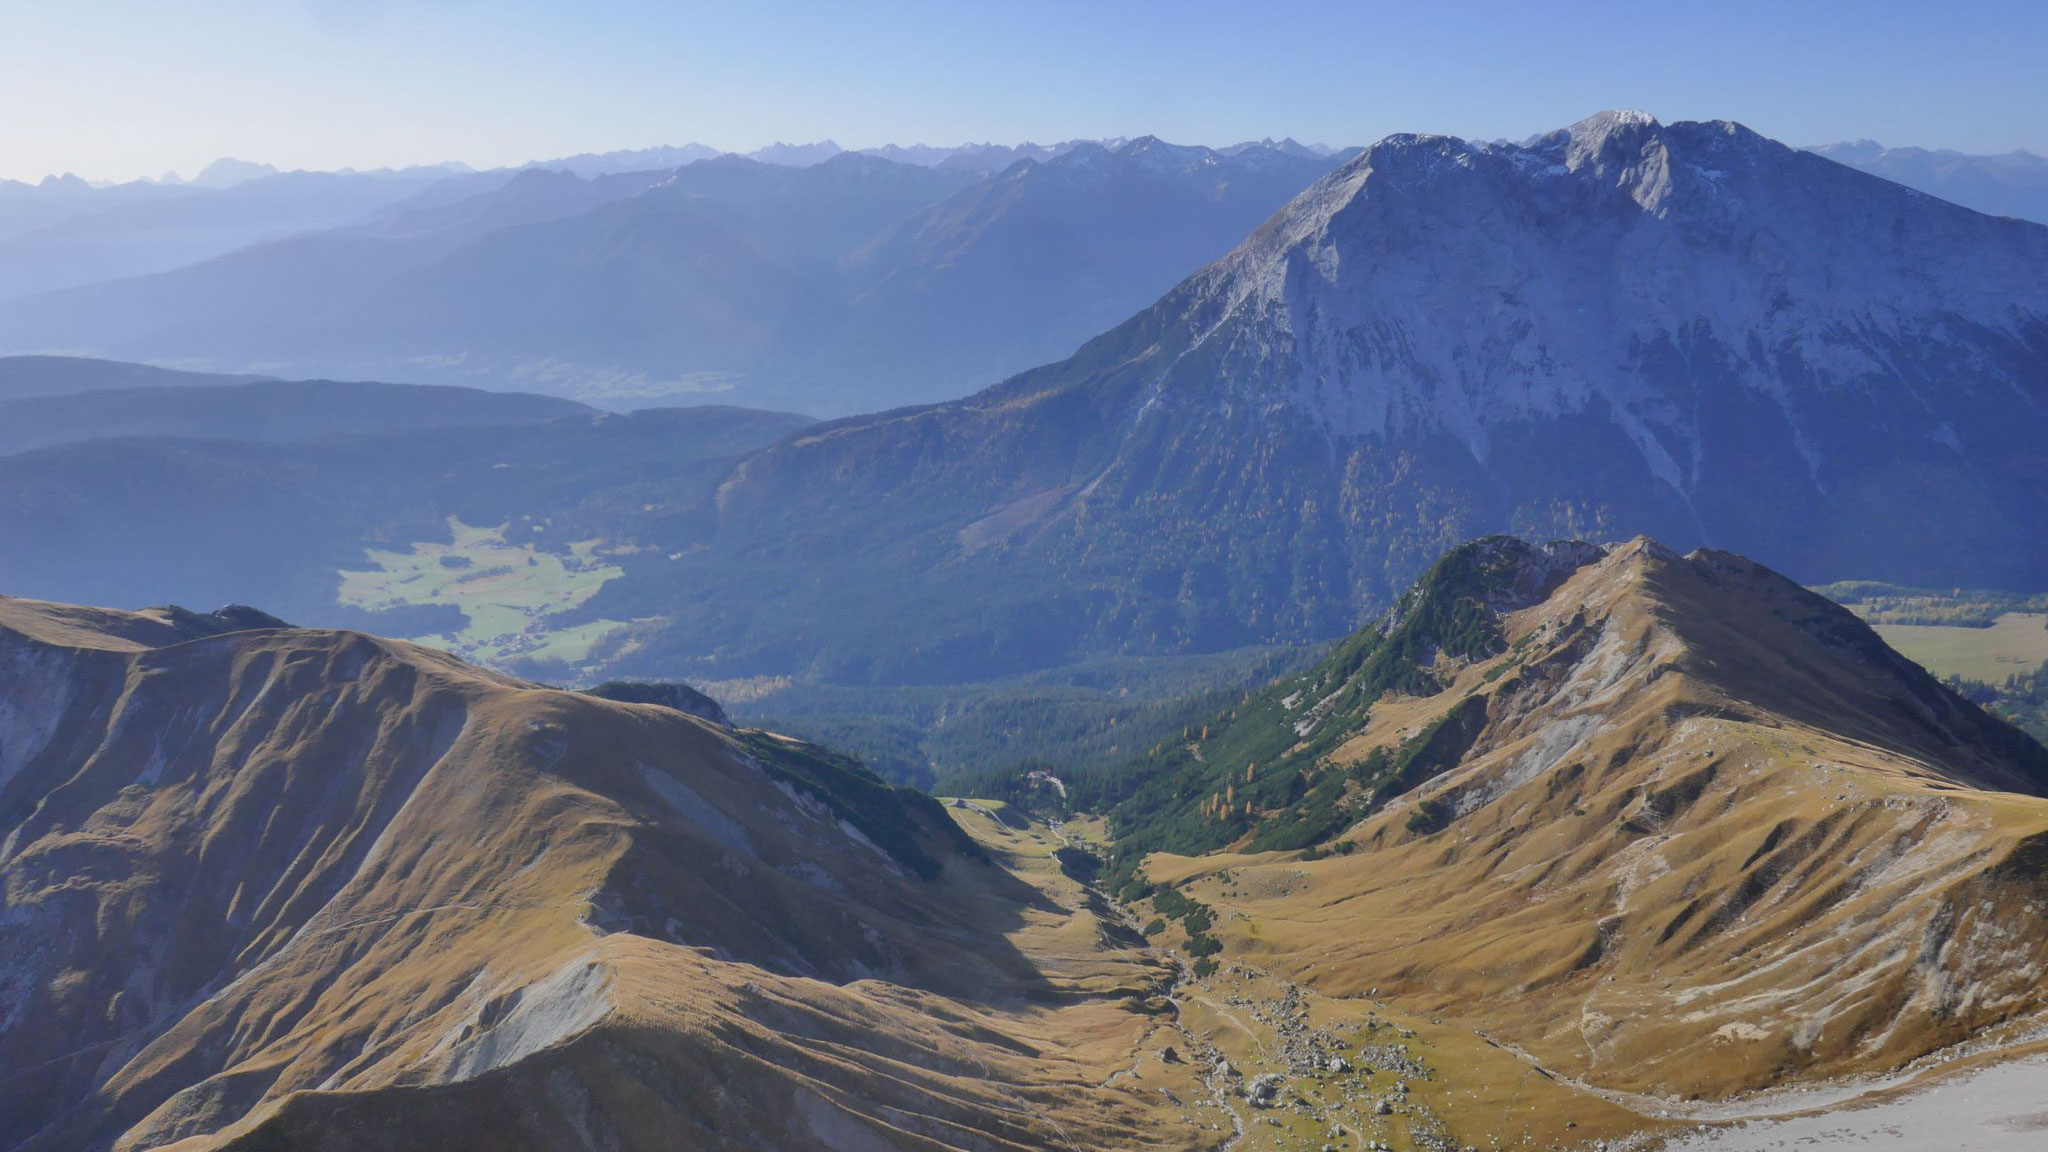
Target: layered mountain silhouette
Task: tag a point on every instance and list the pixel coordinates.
(1685, 330)
(26, 376)
(1022, 269)
(853, 284)
(2012, 184)
(261, 411)
(323, 471)
(60, 235)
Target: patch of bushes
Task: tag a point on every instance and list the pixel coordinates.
(1261, 768)
(1880, 603)
(1430, 817)
(1079, 864)
(898, 820)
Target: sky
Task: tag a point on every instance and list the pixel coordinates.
(115, 89)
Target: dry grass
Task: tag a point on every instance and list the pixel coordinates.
(2016, 644)
(1698, 854)
(1701, 849)
(418, 905)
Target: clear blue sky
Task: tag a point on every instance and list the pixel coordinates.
(120, 88)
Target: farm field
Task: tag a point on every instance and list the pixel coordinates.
(504, 589)
(2017, 643)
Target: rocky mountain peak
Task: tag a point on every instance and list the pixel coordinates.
(1696, 334)
(1607, 136)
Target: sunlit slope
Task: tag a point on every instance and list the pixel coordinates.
(281, 888)
(1700, 832)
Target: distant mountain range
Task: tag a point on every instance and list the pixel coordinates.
(2012, 184)
(261, 411)
(60, 234)
(980, 269)
(1624, 326)
(1620, 327)
(25, 376)
(853, 284)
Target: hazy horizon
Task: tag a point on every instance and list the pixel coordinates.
(123, 90)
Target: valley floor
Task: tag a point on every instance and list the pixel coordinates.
(1250, 1061)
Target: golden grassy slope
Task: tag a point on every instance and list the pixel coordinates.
(284, 889)
(304, 889)
(1709, 841)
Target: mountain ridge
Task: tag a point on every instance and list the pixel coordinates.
(2010, 184)
(791, 287)
(1679, 828)
(284, 871)
(264, 410)
(1682, 831)
(1779, 356)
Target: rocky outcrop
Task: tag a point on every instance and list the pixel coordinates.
(667, 694)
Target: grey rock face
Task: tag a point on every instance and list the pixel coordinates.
(680, 697)
(1686, 324)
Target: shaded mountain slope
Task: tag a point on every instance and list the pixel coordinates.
(259, 298)
(270, 887)
(1025, 267)
(700, 275)
(1686, 330)
(1680, 827)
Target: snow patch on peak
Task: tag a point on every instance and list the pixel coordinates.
(1614, 120)
(1152, 154)
(1591, 139)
